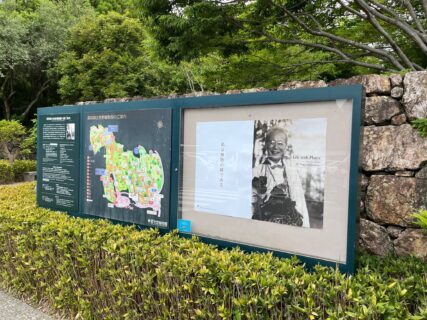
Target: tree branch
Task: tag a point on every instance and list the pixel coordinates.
(338, 52)
(424, 4)
(411, 11)
(374, 51)
(419, 38)
(418, 67)
(385, 9)
(3, 85)
(315, 62)
(11, 94)
(5, 98)
(43, 88)
(350, 9)
(374, 22)
(309, 64)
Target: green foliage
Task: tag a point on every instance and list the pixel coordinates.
(258, 68)
(21, 166)
(11, 131)
(13, 30)
(29, 145)
(107, 57)
(421, 126)
(6, 172)
(186, 31)
(13, 172)
(339, 35)
(32, 35)
(12, 134)
(421, 218)
(15, 141)
(105, 6)
(91, 269)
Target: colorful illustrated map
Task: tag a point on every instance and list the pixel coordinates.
(130, 178)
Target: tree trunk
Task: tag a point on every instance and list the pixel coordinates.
(6, 97)
(10, 155)
(27, 110)
(6, 109)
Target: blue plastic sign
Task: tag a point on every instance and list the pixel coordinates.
(184, 225)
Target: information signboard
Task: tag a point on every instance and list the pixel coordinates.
(59, 161)
(270, 171)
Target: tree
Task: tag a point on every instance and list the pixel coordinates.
(12, 134)
(14, 51)
(109, 56)
(266, 67)
(32, 35)
(356, 35)
(29, 144)
(105, 6)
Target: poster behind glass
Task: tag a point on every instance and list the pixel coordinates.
(272, 176)
(268, 170)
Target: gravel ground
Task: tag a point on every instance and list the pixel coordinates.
(14, 309)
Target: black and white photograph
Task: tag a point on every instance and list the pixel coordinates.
(71, 131)
(288, 171)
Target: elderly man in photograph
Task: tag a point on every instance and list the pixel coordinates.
(278, 195)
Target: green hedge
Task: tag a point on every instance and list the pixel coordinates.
(13, 172)
(6, 172)
(96, 270)
(21, 166)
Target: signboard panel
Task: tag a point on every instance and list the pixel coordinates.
(274, 171)
(127, 165)
(280, 181)
(271, 171)
(59, 158)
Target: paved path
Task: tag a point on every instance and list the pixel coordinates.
(14, 309)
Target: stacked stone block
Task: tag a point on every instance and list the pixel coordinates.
(393, 182)
(394, 163)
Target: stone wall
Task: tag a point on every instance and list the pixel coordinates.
(394, 159)
(394, 163)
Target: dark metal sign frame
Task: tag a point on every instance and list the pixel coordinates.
(177, 106)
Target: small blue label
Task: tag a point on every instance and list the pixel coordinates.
(136, 150)
(99, 172)
(113, 128)
(184, 225)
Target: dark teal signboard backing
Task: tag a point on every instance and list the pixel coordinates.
(59, 161)
(91, 159)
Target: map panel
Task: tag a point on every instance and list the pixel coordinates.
(127, 165)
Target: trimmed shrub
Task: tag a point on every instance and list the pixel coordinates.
(21, 166)
(12, 134)
(92, 269)
(13, 172)
(6, 172)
